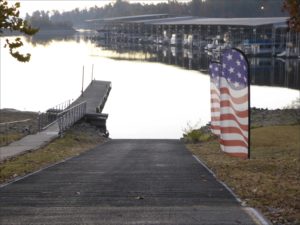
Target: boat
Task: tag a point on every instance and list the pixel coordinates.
(260, 47)
(216, 44)
(175, 40)
(289, 52)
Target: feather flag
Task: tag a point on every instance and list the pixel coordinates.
(230, 102)
(234, 103)
(215, 70)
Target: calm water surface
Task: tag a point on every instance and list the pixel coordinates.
(148, 99)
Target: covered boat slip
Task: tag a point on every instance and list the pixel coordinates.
(256, 36)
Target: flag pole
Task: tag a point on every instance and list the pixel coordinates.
(249, 111)
(249, 103)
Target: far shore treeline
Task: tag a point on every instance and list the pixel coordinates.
(209, 8)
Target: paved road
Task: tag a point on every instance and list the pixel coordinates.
(122, 182)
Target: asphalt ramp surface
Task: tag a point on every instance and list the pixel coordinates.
(138, 182)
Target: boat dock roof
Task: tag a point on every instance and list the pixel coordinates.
(130, 18)
(165, 19)
(222, 21)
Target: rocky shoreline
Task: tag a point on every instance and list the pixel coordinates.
(265, 117)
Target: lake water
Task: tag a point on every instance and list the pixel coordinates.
(147, 100)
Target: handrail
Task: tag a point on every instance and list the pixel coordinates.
(17, 121)
(70, 116)
(49, 117)
(62, 106)
(66, 110)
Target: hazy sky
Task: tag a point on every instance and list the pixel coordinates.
(28, 6)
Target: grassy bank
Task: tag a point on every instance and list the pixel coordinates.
(10, 132)
(270, 180)
(80, 138)
(9, 115)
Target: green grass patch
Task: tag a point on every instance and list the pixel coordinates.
(270, 179)
(73, 143)
(194, 135)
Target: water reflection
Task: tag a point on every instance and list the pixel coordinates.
(47, 37)
(268, 71)
(149, 99)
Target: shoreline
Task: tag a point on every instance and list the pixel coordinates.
(277, 117)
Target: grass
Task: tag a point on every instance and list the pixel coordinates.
(13, 132)
(9, 138)
(192, 134)
(14, 115)
(74, 142)
(270, 179)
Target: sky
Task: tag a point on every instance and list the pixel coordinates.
(29, 6)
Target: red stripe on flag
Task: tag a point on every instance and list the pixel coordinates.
(214, 100)
(215, 109)
(233, 143)
(215, 127)
(242, 114)
(236, 100)
(232, 117)
(214, 92)
(233, 130)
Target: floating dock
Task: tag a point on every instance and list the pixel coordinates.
(95, 96)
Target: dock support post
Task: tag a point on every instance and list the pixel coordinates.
(82, 80)
(92, 73)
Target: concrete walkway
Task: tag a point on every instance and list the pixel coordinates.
(123, 182)
(30, 142)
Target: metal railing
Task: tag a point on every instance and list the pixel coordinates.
(62, 106)
(15, 130)
(49, 117)
(70, 116)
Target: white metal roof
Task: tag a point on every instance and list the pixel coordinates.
(165, 20)
(226, 21)
(129, 18)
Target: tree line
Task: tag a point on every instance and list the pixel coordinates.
(200, 8)
(42, 20)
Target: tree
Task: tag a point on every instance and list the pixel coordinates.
(10, 21)
(293, 8)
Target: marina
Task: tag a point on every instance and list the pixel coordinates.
(255, 36)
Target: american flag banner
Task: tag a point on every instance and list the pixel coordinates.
(215, 70)
(234, 103)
